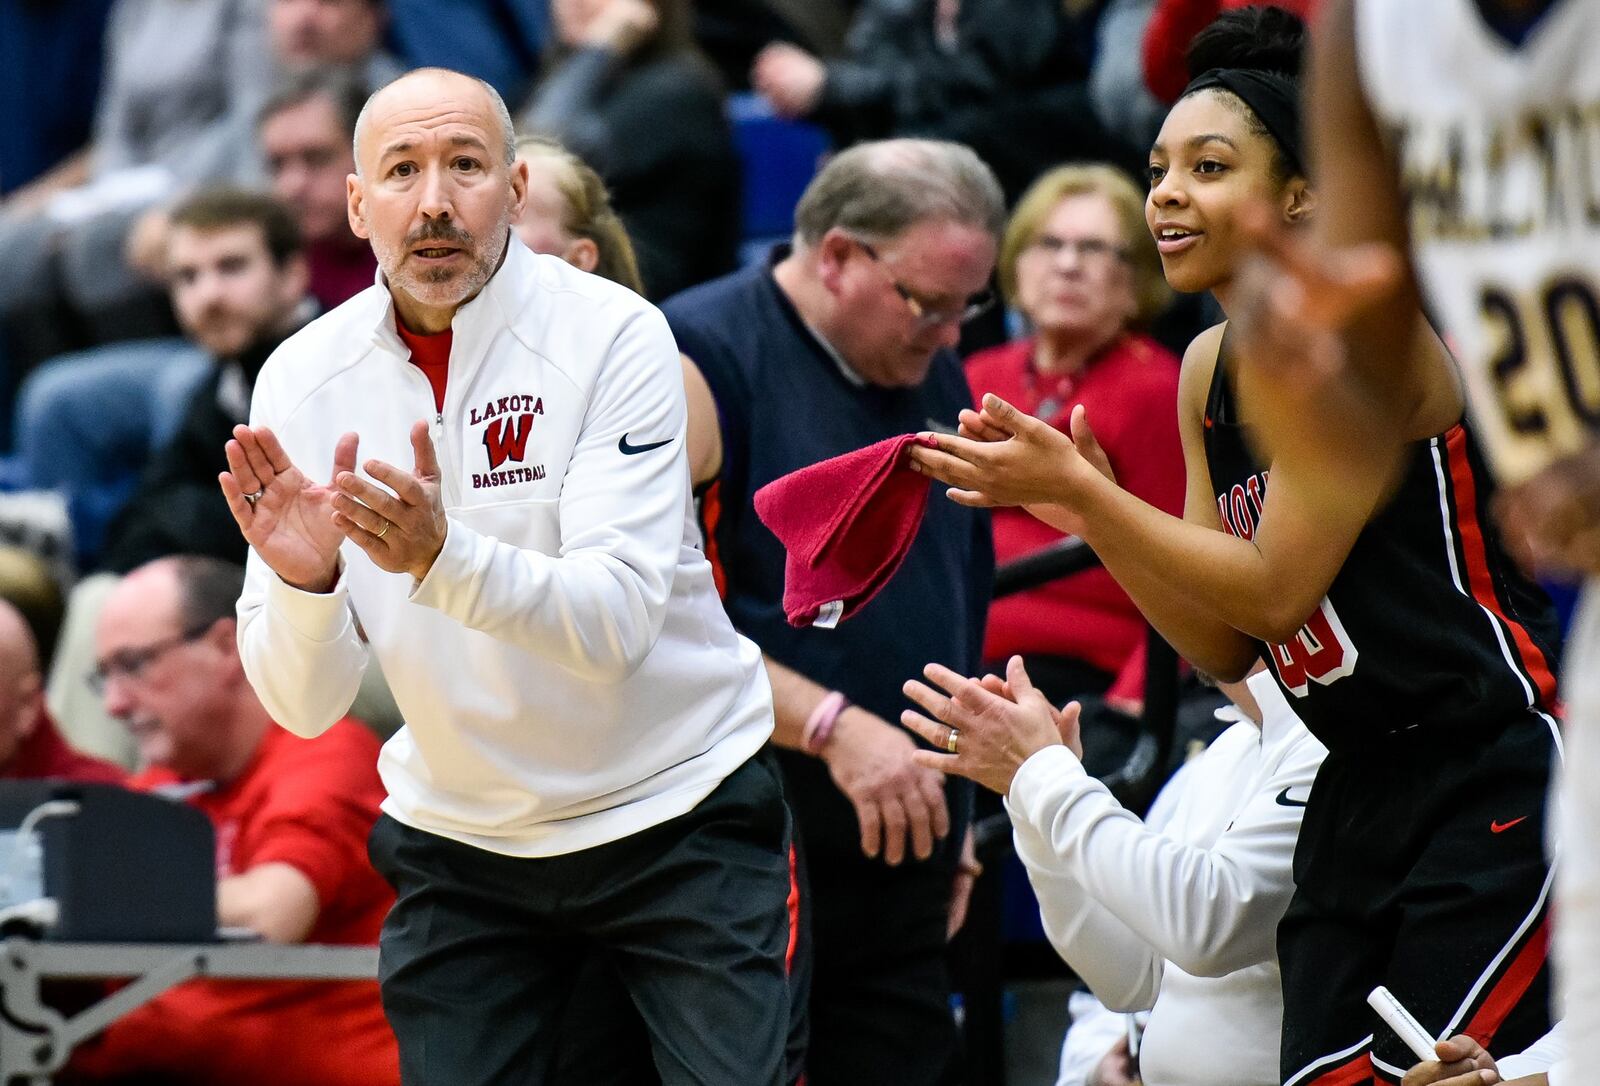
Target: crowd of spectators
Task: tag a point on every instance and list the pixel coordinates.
(198, 217)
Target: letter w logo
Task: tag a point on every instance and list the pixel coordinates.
(505, 440)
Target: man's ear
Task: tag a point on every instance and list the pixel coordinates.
(519, 189)
(30, 695)
(1299, 201)
(832, 253)
(355, 206)
(223, 638)
(582, 254)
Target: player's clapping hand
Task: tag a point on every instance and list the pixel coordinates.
(993, 733)
(286, 517)
(985, 425)
(1012, 459)
(898, 804)
(403, 531)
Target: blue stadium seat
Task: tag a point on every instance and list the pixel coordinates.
(13, 473)
(778, 158)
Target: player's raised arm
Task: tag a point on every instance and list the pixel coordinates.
(1328, 327)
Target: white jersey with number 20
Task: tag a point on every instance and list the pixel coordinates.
(1499, 153)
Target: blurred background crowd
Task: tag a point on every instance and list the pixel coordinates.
(704, 120)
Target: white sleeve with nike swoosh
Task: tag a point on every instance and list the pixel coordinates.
(597, 607)
(1209, 911)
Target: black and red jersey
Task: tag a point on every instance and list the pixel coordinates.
(1429, 623)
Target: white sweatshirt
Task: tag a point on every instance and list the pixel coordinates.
(1182, 922)
(567, 674)
(1548, 1054)
(1576, 827)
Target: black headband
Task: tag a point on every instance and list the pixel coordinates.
(1274, 98)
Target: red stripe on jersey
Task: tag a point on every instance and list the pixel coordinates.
(792, 904)
(1469, 529)
(710, 516)
(1358, 1070)
(1505, 995)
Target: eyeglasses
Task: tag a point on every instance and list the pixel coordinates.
(926, 315)
(132, 662)
(1087, 250)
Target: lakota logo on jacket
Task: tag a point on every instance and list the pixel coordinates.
(510, 421)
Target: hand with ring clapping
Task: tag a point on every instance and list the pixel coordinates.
(402, 529)
(297, 526)
(988, 726)
(285, 516)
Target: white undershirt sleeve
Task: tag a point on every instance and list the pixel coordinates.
(1209, 911)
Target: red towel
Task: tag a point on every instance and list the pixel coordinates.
(847, 524)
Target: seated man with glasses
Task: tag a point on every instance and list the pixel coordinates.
(839, 340)
(291, 818)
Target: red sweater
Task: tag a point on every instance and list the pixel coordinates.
(1130, 393)
(45, 755)
(310, 804)
(1173, 26)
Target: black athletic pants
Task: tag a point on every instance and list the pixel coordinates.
(604, 1041)
(880, 985)
(1420, 866)
(480, 955)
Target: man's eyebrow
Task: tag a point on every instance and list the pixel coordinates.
(460, 139)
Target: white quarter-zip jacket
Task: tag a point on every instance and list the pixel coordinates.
(1181, 922)
(566, 672)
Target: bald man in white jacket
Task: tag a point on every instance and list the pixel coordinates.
(579, 770)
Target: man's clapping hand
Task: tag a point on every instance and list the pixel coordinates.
(402, 532)
(285, 516)
(297, 526)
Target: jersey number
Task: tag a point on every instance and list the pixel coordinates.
(1561, 322)
(1321, 652)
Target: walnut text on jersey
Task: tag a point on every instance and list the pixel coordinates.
(1498, 178)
